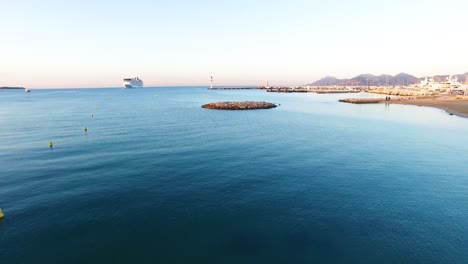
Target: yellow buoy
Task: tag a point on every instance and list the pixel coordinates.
(51, 144)
(1, 214)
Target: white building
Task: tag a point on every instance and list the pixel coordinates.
(451, 83)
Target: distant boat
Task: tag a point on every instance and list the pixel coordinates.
(133, 83)
(27, 90)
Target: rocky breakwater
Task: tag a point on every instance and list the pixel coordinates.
(363, 100)
(248, 105)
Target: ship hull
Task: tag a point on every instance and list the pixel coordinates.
(129, 86)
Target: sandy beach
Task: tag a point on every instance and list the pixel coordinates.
(456, 105)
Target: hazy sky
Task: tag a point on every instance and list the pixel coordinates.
(97, 43)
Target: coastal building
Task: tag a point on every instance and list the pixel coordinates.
(429, 83)
(450, 85)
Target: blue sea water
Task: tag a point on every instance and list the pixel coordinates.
(158, 179)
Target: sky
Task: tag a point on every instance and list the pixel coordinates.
(60, 44)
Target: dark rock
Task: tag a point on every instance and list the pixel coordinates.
(362, 100)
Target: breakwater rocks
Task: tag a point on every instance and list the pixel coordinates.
(362, 100)
(248, 105)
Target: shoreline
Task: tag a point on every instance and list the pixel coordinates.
(450, 104)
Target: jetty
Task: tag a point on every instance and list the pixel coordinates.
(286, 90)
(335, 91)
(247, 105)
(234, 88)
(11, 88)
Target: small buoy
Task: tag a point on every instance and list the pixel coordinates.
(51, 144)
(1, 214)
(92, 115)
(85, 129)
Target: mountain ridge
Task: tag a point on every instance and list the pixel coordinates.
(381, 80)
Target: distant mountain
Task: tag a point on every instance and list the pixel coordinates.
(405, 79)
(327, 81)
(369, 79)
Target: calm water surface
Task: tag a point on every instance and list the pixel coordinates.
(158, 179)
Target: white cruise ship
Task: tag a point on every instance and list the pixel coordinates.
(133, 83)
